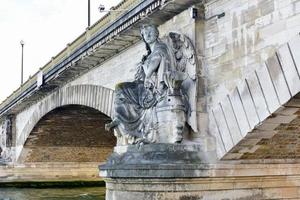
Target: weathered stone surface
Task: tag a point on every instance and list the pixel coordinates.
(289, 69)
(155, 161)
(6, 139)
(251, 31)
(214, 182)
(49, 171)
(156, 154)
(278, 79)
(266, 90)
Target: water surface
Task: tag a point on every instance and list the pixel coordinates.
(91, 193)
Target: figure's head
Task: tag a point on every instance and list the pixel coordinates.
(150, 33)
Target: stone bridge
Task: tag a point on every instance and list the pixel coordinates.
(254, 119)
(248, 101)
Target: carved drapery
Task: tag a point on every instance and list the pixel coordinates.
(161, 102)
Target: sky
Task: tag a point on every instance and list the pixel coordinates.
(46, 27)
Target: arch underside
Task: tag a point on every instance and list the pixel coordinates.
(95, 99)
(71, 133)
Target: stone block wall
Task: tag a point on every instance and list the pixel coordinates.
(122, 67)
(238, 44)
(248, 34)
(49, 171)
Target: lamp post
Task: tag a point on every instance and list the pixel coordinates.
(89, 13)
(102, 8)
(22, 44)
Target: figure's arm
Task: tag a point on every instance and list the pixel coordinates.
(150, 68)
(140, 74)
(152, 65)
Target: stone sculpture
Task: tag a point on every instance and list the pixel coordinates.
(158, 109)
(158, 104)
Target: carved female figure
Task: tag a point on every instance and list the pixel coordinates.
(141, 104)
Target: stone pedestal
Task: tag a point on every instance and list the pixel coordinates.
(193, 180)
(136, 173)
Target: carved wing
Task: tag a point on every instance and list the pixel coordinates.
(185, 61)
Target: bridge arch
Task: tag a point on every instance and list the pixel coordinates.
(92, 96)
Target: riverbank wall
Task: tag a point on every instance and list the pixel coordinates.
(50, 174)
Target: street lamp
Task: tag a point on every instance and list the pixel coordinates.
(101, 9)
(22, 44)
(89, 13)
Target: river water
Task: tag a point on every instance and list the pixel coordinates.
(91, 193)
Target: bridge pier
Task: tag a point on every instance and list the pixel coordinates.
(211, 182)
(181, 172)
(7, 140)
(154, 170)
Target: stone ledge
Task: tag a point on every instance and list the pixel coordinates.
(49, 172)
(52, 184)
(206, 184)
(199, 170)
(158, 154)
(269, 187)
